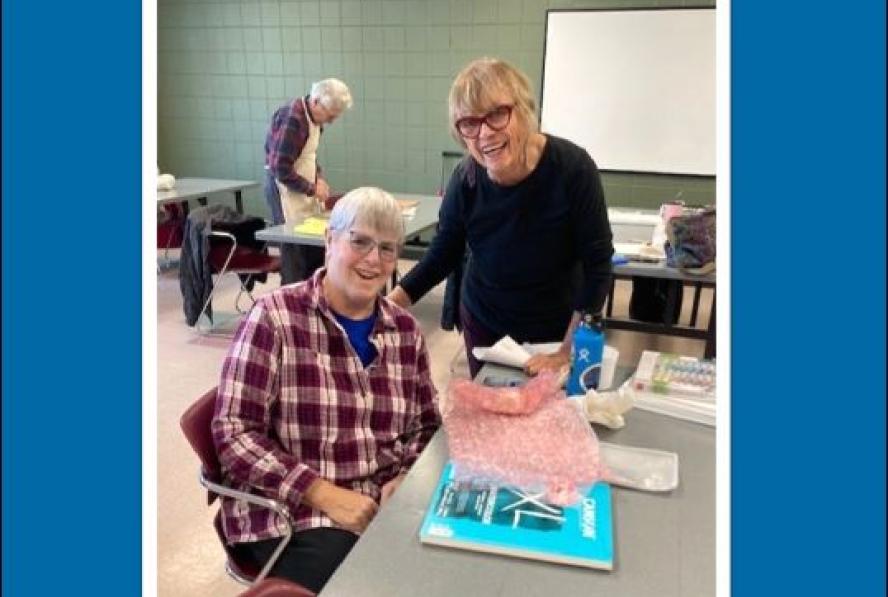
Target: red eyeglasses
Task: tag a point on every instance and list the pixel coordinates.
(497, 119)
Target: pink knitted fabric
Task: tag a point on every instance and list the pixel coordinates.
(530, 437)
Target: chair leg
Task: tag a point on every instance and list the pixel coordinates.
(209, 300)
(273, 559)
(243, 290)
(236, 576)
(166, 251)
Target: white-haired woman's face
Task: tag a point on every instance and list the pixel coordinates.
(360, 260)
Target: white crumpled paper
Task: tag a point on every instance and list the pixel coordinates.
(166, 182)
(608, 408)
(505, 352)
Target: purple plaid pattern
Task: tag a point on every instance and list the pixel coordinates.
(286, 137)
(295, 403)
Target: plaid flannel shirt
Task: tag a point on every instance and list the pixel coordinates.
(284, 141)
(295, 403)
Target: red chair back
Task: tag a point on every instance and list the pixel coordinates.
(241, 566)
(169, 232)
(195, 424)
(244, 259)
(276, 587)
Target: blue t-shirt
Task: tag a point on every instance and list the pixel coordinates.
(358, 331)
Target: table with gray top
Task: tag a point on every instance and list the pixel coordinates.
(201, 188)
(425, 218)
(664, 544)
(660, 270)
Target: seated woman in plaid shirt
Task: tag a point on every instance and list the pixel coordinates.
(326, 398)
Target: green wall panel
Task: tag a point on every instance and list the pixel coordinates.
(223, 67)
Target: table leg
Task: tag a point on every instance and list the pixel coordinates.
(671, 298)
(696, 305)
(239, 202)
(202, 201)
(610, 298)
(709, 351)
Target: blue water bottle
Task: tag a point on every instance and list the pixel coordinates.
(585, 355)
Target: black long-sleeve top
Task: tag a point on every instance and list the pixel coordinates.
(540, 249)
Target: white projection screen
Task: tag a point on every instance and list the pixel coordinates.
(636, 88)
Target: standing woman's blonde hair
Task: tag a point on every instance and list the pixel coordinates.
(475, 87)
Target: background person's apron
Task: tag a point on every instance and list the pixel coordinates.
(298, 206)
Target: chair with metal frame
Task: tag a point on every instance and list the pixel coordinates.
(276, 587)
(195, 424)
(171, 221)
(227, 257)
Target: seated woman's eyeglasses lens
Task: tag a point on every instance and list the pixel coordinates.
(363, 244)
(497, 119)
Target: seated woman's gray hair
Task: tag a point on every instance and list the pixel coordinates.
(333, 94)
(371, 207)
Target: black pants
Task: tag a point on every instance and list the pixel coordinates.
(299, 262)
(475, 334)
(310, 559)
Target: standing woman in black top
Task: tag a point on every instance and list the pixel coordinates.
(530, 209)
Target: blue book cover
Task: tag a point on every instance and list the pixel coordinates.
(510, 521)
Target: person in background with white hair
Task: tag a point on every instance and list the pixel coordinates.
(294, 185)
(326, 398)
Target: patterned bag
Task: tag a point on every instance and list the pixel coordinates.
(691, 241)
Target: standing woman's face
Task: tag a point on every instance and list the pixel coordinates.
(497, 139)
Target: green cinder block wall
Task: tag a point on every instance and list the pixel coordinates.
(224, 67)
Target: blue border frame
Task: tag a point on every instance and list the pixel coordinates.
(808, 298)
(72, 295)
(808, 426)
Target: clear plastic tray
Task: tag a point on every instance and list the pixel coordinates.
(640, 468)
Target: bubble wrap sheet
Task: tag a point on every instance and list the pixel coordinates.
(530, 437)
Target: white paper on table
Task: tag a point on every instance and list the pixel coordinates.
(511, 354)
(541, 348)
(505, 352)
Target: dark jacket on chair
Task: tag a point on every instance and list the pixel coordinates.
(195, 272)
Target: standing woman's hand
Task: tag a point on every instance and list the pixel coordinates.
(399, 297)
(553, 360)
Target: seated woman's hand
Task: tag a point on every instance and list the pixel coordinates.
(351, 509)
(389, 488)
(540, 362)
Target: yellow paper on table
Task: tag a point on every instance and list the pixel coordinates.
(313, 226)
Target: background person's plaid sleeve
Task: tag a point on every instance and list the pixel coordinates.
(287, 139)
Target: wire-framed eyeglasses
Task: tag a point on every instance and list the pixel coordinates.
(363, 244)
